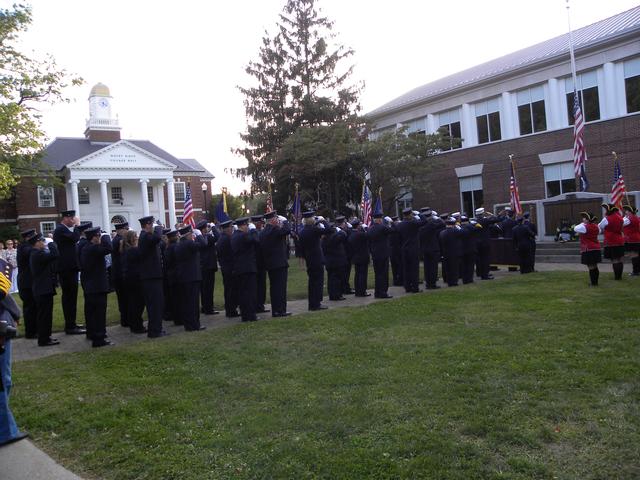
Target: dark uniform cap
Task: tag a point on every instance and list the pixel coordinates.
(270, 214)
(308, 214)
(407, 211)
(201, 224)
(84, 225)
(425, 209)
(165, 231)
(355, 223)
(226, 224)
(464, 218)
(172, 233)
(146, 220)
(68, 213)
(445, 216)
(526, 214)
(394, 218)
(36, 238)
(91, 232)
(519, 219)
(120, 226)
(378, 215)
(340, 219)
(27, 233)
(185, 230)
(242, 221)
(257, 218)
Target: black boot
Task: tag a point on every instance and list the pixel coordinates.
(617, 270)
(635, 261)
(593, 275)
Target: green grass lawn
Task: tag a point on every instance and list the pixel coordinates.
(533, 376)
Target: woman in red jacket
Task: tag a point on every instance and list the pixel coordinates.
(590, 245)
(632, 237)
(612, 225)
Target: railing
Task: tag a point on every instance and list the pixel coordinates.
(103, 122)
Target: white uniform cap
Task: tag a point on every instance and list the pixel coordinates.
(479, 211)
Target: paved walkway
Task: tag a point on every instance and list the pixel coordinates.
(24, 461)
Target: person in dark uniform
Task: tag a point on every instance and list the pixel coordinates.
(534, 229)
(408, 228)
(189, 276)
(378, 236)
(430, 246)
(450, 249)
(395, 244)
(25, 281)
(151, 275)
(66, 236)
(261, 274)
(209, 266)
(130, 257)
(225, 257)
(96, 284)
(346, 227)
(507, 223)
(173, 312)
(483, 255)
(359, 246)
(273, 247)
(244, 244)
(41, 261)
(310, 242)
(334, 251)
(468, 242)
(523, 240)
(116, 271)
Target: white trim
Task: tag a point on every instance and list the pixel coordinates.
(559, 156)
(78, 163)
(469, 170)
(51, 231)
(46, 215)
(8, 220)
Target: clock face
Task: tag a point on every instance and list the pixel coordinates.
(103, 103)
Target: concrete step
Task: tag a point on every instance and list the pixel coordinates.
(558, 251)
(557, 258)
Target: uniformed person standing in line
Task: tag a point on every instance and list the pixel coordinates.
(534, 229)
(261, 274)
(408, 228)
(82, 242)
(523, 240)
(96, 284)
(225, 257)
(41, 261)
(25, 283)
(171, 276)
(334, 251)
(450, 249)
(151, 275)
(116, 271)
(430, 246)
(310, 242)
(378, 236)
(507, 222)
(189, 276)
(345, 226)
(468, 241)
(483, 246)
(274, 247)
(395, 244)
(244, 244)
(359, 247)
(66, 236)
(209, 266)
(130, 257)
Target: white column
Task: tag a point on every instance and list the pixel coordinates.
(74, 196)
(610, 89)
(469, 138)
(506, 117)
(431, 124)
(171, 199)
(145, 196)
(106, 219)
(556, 106)
(160, 203)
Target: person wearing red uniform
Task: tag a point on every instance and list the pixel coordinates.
(589, 245)
(632, 237)
(612, 225)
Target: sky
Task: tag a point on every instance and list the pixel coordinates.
(173, 67)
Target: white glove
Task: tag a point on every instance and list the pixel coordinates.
(252, 226)
(281, 218)
(349, 226)
(197, 232)
(319, 218)
(417, 217)
(365, 226)
(321, 225)
(47, 240)
(338, 229)
(388, 219)
(473, 222)
(235, 227)
(415, 212)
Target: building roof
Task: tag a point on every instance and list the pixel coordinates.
(65, 150)
(618, 25)
(100, 90)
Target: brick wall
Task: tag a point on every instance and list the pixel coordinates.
(26, 200)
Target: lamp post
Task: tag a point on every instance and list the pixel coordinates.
(204, 193)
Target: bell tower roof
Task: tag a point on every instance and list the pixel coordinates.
(102, 125)
(100, 90)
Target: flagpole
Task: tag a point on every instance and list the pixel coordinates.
(571, 51)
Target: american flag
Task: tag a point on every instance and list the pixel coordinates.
(297, 208)
(513, 192)
(188, 217)
(579, 151)
(269, 200)
(365, 205)
(617, 189)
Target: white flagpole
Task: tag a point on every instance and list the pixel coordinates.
(571, 52)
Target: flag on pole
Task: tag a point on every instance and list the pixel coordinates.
(513, 192)
(365, 205)
(378, 207)
(188, 217)
(269, 200)
(618, 188)
(297, 208)
(222, 214)
(579, 150)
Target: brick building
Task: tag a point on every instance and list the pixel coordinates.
(107, 179)
(521, 104)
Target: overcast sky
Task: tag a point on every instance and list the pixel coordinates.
(173, 67)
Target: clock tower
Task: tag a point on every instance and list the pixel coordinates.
(102, 127)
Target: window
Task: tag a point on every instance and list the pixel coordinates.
(417, 126)
(83, 196)
(531, 115)
(632, 84)
(488, 121)
(587, 96)
(45, 197)
(405, 198)
(116, 195)
(150, 193)
(449, 126)
(180, 191)
(179, 219)
(47, 227)
(471, 193)
(559, 178)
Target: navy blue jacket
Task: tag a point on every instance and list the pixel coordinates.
(131, 264)
(66, 242)
(187, 255)
(225, 254)
(469, 238)
(310, 242)
(334, 248)
(450, 244)
(244, 246)
(408, 230)
(170, 263)
(485, 232)
(94, 269)
(507, 224)
(359, 247)
(378, 235)
(429, 235)
(273, 246)
(150, 256)
(41, 264)
(25, 279)
(209, 254)
(116, 257)
(523, 237)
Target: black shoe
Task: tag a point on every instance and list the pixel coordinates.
(339, 299)
(141, 330)
(232, 315)
(49, 343)
(384, 296)
(201, 327)
(634, 274)
(78, 330)
(285, 314)
(433, 287)
(20, 436)
(319, 307)
(31, 336)
(158, 335)
(102, 343)
(367, 294)
(211, 312)
(263, 310)
(349, 292)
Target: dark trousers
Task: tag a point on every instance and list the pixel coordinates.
(335, 282)
(44, 317)
(29, 312)
(467, 264)
(524, 254)
(360, 279)
(381, 272)
(315, 286)
(206, 290)
(96, 309)
(154, 302)
(278, 290)
(431, 260)
(410, 271)
(482, 260)
(396, 267)
(261, 289)
(121, 293)
(247, 291)
(135, 305)
(69, 286)
(189, 295)
(451, 270)
(230, 294)
(346, 276)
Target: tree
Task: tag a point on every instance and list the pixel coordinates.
(24, 82)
